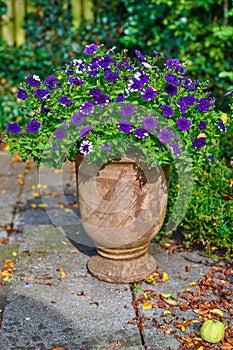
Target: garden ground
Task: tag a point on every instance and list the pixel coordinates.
(50, 301)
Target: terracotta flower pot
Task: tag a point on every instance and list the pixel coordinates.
(121, 208)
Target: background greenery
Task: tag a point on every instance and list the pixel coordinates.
(199, 31)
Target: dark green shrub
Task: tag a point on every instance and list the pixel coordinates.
(209, 218)
(198, 31)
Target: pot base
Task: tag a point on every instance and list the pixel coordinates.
(122, 271)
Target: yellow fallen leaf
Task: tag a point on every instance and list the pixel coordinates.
(166, 295)
(217, 312)
(42, 205)
(67, 210)
(63, 275)
(167, 312)
(200, 348)
(193, 283)
(183, 328)
(36, 194)
(146, 296)
(165, 276)
(146, 307)
(171, 302)
(168, 330)
(14, 253)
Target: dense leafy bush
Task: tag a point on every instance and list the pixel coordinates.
(208, 221)
(50, 41)
(199, 31)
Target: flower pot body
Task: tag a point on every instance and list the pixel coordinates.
(121, 208)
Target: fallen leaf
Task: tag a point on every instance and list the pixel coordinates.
(217, 312)
(193, 284)
(166, 312)
(63, 275)
(166, 295)
(165, 276)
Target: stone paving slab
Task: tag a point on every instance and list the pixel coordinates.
(45, 310)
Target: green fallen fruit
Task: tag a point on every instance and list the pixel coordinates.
(212, 331)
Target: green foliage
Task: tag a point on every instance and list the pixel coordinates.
(50, 41)
(49, 29)
(198, 31)
(208, 221)
(10, 110)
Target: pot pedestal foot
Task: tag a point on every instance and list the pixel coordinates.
(122, 271)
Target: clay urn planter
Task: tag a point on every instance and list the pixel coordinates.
(122, 207)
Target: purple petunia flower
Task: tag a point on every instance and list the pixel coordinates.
(203, 105)
(149, 122)
(22, 94)
(182, 107)
(33, 80)
(202, 125)
(165, 135)
(127, 110)
(172, 63)
(141, 133)
(85, 147)
(199, 142)
(55, 147)
(135, 84)
(94, 92)
(33, 126)
(77, 118)
(175, 149)
(211, 159)
(64, 100)
(86, 131)
(124, 126)
(13, 128)
(87, 108)
(69, 71)
(189, 84)
(142, 76)
(171, 90)
(183, 123)
(105, 61)
(90, 49)
(111, 76)
(140, 56)
(221, 126)
(59, 134)
(167, 110)
(76, 81)
(106, 147)
(43, 108)
(188, 100)
(171, 79)
(127, 65)
(51, 82)
(148, 94)
(41, 93)
(101, 100)
(120, 98)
